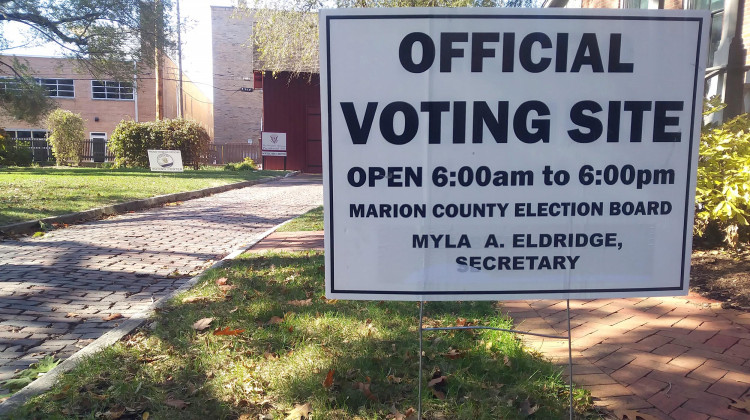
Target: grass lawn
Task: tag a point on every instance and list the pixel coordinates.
(35, 193)
(310, 221)
(283, 349)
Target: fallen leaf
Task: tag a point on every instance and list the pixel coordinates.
(275, 320)
(202, 324)
(304, 302)
(175, 403)
(71, 315)
(114, 413)
(506, 360)
(270, 356)
(234, 310)
(227, 331)
(227, 287)
(300, 412)
(396, 415)
(328, 382)
(741, 405)
(365, 389)
(145, 416)
(221, 281)
(461, 322)
(112, 317)
(527, 409)
(435, 381)
(437, 385)
(394, 379)
(194, 299)
(633, 415)
(453, 354)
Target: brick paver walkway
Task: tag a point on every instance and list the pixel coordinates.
(679, 358)
(672, 358)
(56, 290)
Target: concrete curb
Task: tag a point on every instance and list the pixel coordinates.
(97, 213)
(45, 382)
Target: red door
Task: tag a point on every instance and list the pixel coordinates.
(314, 160)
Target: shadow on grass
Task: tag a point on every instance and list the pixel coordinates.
(292, 339)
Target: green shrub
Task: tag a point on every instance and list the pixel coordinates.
(247, 164)
(12, 154)
(723, 189)
(131, 141)
(66, 136)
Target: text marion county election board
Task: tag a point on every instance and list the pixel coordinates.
(495, 154)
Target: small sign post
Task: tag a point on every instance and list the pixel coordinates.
(165, 160)
(273, 144)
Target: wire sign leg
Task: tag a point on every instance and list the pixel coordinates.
(419, 403)
(570, 363)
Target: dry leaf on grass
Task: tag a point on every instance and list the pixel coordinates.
(633, 415)
(328, 382)
(397, 415)
(437, 385)
(453, 354)
(202, 324)
(394, 379)
(741, 405)
(506, 360)
(221, 281)
(227, 287)
(300, 412)
(227, 331)
(145, 416)
(461, 322)
(112, 317)
(178, 404)
(365, 389)
(304, 302)
(275, 320)
(114, 413)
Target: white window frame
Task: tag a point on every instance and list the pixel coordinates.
(44, 83)
(113, 84)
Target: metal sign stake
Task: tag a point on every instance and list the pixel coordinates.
(422, 329)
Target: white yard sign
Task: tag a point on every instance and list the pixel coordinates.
(273, 144)
(165, 160)
(496, 154)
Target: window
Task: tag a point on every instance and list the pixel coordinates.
(106, 89)
(717, 16)
(27, 134)
(58, 88)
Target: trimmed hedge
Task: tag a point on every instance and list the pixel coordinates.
(131, 140)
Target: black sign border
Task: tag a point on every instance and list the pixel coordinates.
(330, 18)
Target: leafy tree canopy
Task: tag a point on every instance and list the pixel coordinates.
(286, 31)
(105, 37)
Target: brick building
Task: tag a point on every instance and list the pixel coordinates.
(728, 56)
(104, 103)
(237, 114)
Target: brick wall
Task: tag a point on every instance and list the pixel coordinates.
(599, 4)
(110, 112)
(237, 115)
